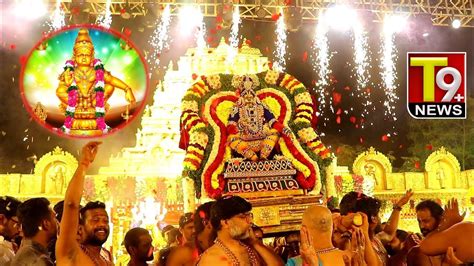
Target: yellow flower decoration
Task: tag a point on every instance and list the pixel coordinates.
(214, 82)
(236, 81)
(223, 110)
(304, 97)
(271, 77)
(307, 134)
(189, 106)
(200, 138)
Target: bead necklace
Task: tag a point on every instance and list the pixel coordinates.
(235, 262)
(94, 259)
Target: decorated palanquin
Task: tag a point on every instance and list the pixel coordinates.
(252, 135)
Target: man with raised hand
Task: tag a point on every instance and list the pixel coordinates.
(68, 250)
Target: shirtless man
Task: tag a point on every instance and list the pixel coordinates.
(231, 217)
(459, 238)
(316, 235)
(68, 250)
(204, 234)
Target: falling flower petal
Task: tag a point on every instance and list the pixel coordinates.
(305, 56)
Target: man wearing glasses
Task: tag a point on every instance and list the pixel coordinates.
(9, 228)
(236, 243)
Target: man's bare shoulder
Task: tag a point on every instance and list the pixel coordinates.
(75, 257)
(183, 250)
(213, 256)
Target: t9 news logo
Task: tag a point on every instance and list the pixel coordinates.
(436, 85)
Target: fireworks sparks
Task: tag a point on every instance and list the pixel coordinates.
(280, 45)
(191, 19)
(321, 66)
(201, 37)
(160, 38)
(57, 18)
(234, 35)
(361, 61)
(392, 25)
(105, 20)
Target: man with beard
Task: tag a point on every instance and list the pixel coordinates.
(236, 243)
(429, 215)
(204, 233)
(9, 228)
(95, 220)
(138, 243)
(39, 227)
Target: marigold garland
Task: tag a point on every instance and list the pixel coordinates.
(205, 140)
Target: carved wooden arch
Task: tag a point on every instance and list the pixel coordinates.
(378, 159)
(52, 159)
(443, 157)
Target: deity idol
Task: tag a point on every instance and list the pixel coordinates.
(84, 89)
(252, 127)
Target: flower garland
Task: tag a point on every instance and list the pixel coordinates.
(99, 97)
(71, 99)
(205, 156)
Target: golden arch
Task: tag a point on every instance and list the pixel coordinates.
(55, 168)
(443, 170)
(374, 164)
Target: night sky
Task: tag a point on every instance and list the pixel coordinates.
(21, 137)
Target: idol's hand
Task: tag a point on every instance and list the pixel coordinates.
(130, 97)
(68, 77)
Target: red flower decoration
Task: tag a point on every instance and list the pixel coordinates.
(194, 76)
(429, 147)
(338, 119)
(385, 138)
(353, 119)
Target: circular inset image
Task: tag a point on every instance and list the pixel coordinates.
(84, 81)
